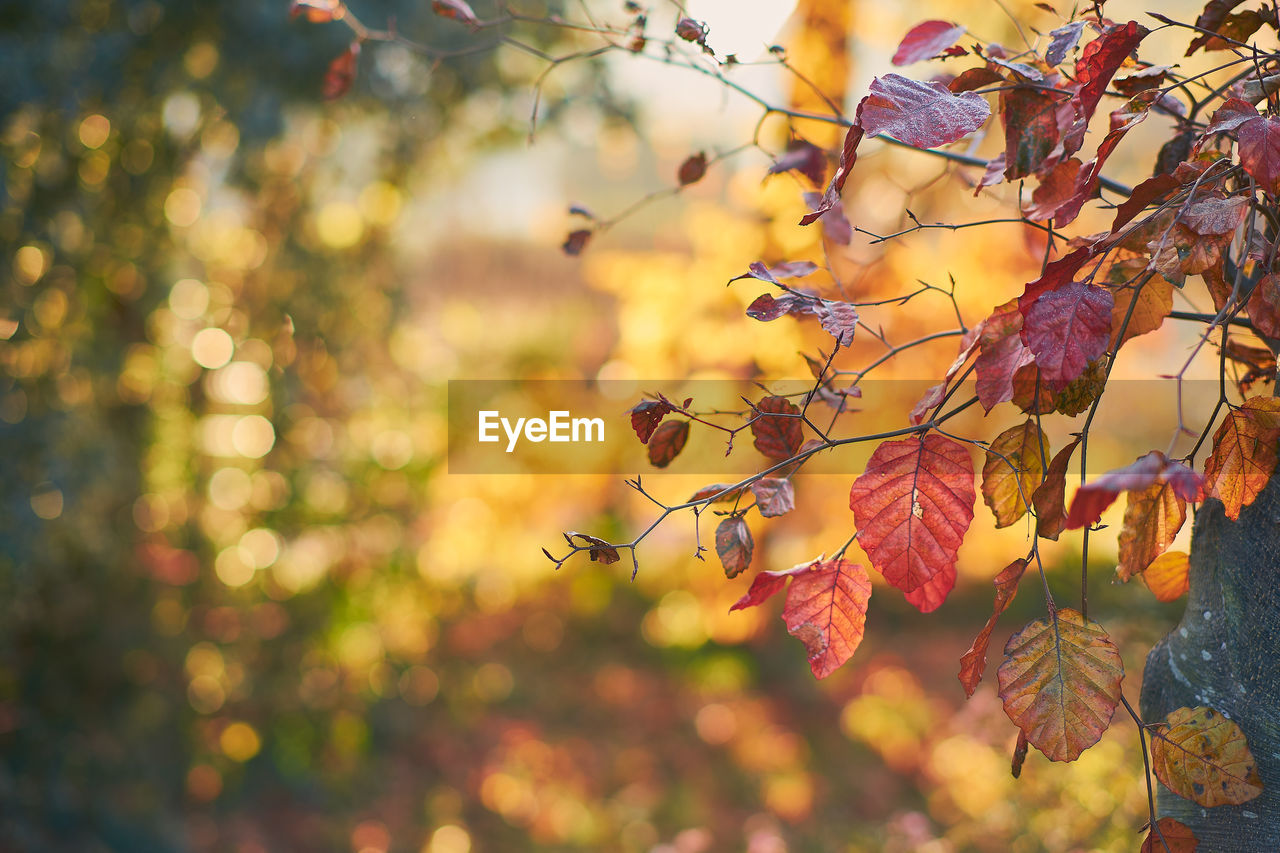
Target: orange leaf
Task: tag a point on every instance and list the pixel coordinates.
(1152, 518)
(826, 608)
(1177, 837)
(1049, 498)
(1168, 575)
(912, 507)
(317, 11)
(974, 661)
(778, 431)
(1060, 682)
(457, 9)
(734, 545)
(1244, 454)
(1201, 755)
(1012, 471)
(666, 442)
(1154, 302)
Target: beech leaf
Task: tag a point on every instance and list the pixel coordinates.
(777, 429)
(1202, 756)
(456, 9)
(1068, 328)
(1173, 837)
(600, 550)
(1258, 141)
(666, 442)
(927, 40)
(803, 157)
(974, 662)
(645, 417)
(848, 156)
(1094, 497)
(1152, 517)
(774, 497)
(840, 319)
(1012, 471)
(1050, 496)
(1168, 576)
(724, 490)
(341, 73)
(1060, 682)
(826, 608)
(1244, 454)
(912, 507)
(925, 115)
(734, 545)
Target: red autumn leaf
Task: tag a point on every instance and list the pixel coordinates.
(1152, 517)
(1204, 757)
(720, 492)
(1258, 141)
(1214, 216)
(766, 307)
(1228, 117)
(645, 417)
(1141, 81)
(974, 662)
(692, 169)
(1001, 356)
(1057, 189)
(1012, 471)
(576, 241)
(1244, 454)
(1101, 58)
(1150, 191)
(826, 608)
(1087, 178)
(1264, 306)
(925, 115)
(317, 11)
(734, 545)
(936, 393)
(1060, 682)
(1049, 498)
(975, 78)
(456, 9)
(1173, 837)
(1066, 329)
(599, 550)
(912, 507)
(1092, 498)
(840, 319)
(666, 442)
(777, 429)
(926, 41)
(341, 73)
(931, 594)
(1062, 40)
(1169, 576)
(1215, 14)
(774, 497)
(1057, 274)
(1031, 131)
(773, 275)
(848, 156)
(803, 157)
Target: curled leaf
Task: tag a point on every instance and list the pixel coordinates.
(734, 545)
(692, 169)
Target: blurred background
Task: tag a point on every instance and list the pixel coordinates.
(244, 606)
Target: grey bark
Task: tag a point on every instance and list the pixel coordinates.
(1225, 653)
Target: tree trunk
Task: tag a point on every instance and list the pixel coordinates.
(1225, 653)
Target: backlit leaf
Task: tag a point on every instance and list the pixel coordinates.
(826, 608)
(931, 594)
(1101, 58)
(1152, 517)
(1049, 498)
(925, 115)
(1060, 682)
(774, 497)
(1244, 454)
(1258, 141)
(1012, 471)
(666, 442)
(1066, 329)
(848, 156)
(724, 491)
(974, 662)
(1002, 353)
(839, 319)
(766, 307)
(599, 550)
(1168, 576)
(927, 40)
(778, 430)
(317, 11)
(734, 545)
(1030, 117)
(1173, 837)
(1154, 302)
(1092, 498)
(1201, 755)
(1264, 306)
(645, 417)
(912, 507)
